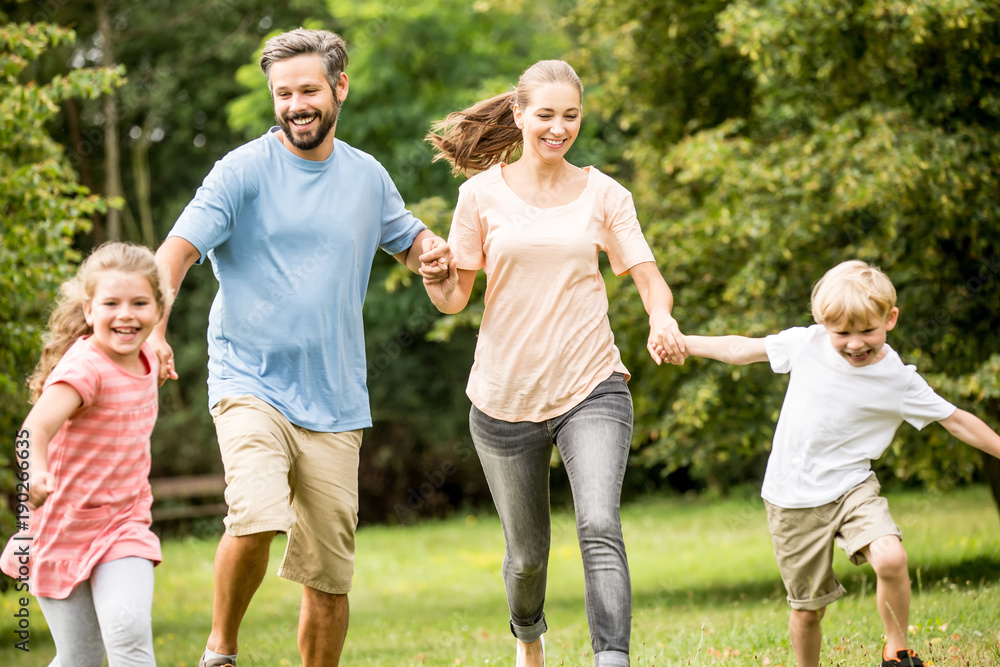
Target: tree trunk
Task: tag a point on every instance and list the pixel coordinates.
(112, 152)
(991, 468)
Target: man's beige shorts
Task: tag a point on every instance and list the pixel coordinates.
(281, 477)
(804, 538)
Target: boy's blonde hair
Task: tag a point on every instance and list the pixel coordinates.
(853, 292)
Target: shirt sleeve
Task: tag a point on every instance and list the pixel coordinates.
(78, 372)
(623, 241)
(921, 404)
(399, 227)
(782, 348)
(208, 220)
(467, 237)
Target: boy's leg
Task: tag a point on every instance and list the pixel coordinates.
(123, 599)
(75, 629)
(869, 533)
(803, 547)
(892, 592)
(806, 635)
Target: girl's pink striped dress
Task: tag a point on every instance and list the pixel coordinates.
(100, 510)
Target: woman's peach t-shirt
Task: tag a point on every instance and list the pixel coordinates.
(545, 341)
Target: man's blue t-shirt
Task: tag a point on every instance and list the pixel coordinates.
(292, 242)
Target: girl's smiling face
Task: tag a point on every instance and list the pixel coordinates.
(122, 314)
(861, 343)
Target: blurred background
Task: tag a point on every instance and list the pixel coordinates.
(763, 142)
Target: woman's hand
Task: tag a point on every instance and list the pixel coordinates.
(666, 342)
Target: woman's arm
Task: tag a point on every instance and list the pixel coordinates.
(51, 410)
(451, 294)
(665, 337)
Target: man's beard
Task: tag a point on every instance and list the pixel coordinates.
(316, 137)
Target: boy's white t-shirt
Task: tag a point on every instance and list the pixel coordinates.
(837, 418)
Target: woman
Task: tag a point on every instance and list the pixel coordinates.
(547, 370)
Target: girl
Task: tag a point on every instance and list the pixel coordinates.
(546, 369)
(90, 553)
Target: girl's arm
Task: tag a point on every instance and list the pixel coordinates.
(51, 410)
(665, 338)
(972, 430)
(739, 350)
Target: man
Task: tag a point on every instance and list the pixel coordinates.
(291, 222)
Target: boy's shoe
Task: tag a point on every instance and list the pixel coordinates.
(220, 662)
(904, 658)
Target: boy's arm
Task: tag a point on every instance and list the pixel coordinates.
(972, 430)
(739, 350)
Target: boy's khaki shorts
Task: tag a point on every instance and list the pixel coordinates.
(803, 541)
(281, 477)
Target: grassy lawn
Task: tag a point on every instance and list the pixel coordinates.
(706, 592)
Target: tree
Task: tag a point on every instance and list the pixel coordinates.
(42, 210)
(870, 134)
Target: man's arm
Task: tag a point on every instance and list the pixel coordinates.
(426, 251)
(972, 430)
(739, 350)
(174, 257)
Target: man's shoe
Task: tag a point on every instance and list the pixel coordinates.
(220, 662)
(904, 658)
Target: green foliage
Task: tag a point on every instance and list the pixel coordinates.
(42, 209)
(871, 134)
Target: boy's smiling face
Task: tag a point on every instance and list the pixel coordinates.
(861, 343)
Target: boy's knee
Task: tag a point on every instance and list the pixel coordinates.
(808, 617)
(888, 558)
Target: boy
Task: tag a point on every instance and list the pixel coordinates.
(848, 393)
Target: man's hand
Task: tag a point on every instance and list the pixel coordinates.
(436, 261)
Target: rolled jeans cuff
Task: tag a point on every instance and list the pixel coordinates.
(529, 633)
(611, 659)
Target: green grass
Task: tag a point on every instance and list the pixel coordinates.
(706, 592)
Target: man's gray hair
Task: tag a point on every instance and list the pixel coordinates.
(329, 46)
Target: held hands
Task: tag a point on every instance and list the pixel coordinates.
(436, 262)
(666, 342)
(165, 354)
(438, 269)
